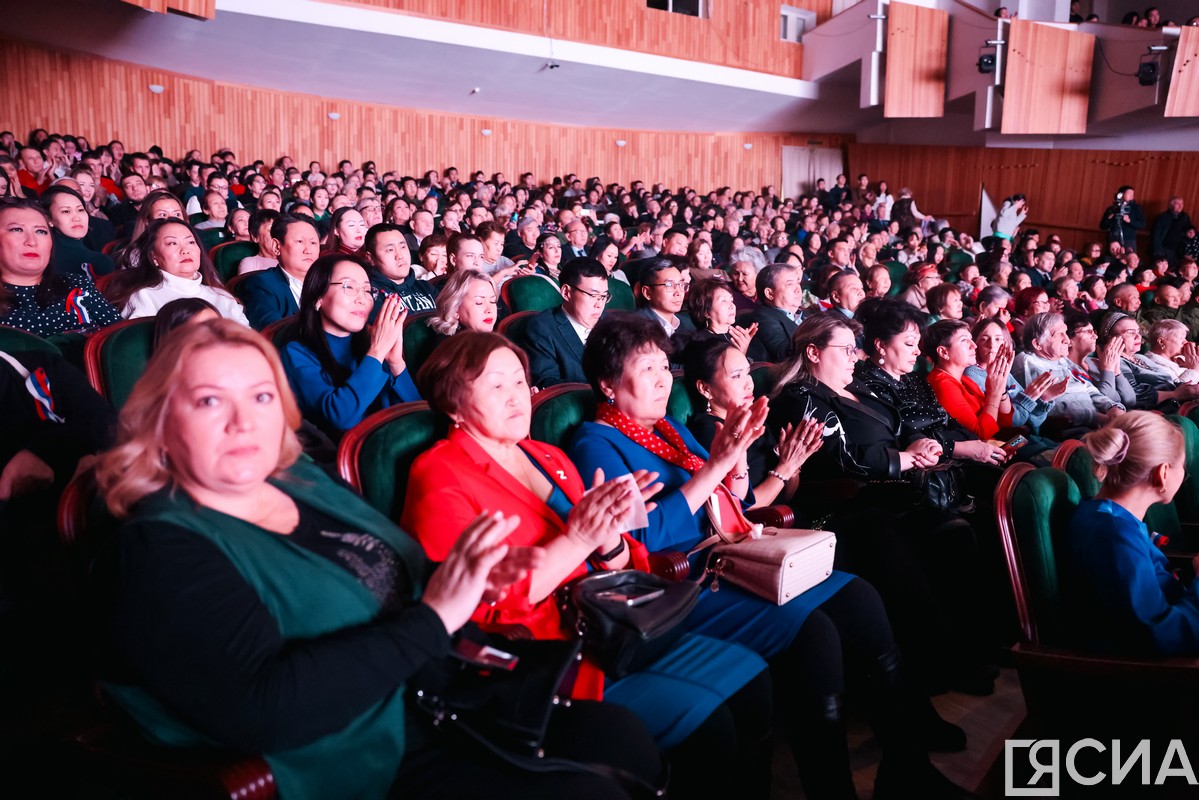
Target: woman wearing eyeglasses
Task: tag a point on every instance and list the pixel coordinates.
(340, 369)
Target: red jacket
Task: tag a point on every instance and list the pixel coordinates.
(965, 401)
(455, 481)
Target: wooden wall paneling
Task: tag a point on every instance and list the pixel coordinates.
(917, 55)
(106, 100)
(1067, 190)
(159, 6)
(1048, 79)
(739, 34)
(203, 9)
(1183, 97)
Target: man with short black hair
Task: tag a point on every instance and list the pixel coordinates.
(780, 291)
(554, 338)
(661, 293)
(386, 248)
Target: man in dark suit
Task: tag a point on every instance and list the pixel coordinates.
(661, 293)
(554, 338)
(780, 289)
(272, 294)
(1041, 273)
(576, 240)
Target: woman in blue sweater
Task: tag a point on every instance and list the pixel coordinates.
(340, 369)
(1123, 591)
(627, 361)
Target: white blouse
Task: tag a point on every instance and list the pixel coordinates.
(146, 302)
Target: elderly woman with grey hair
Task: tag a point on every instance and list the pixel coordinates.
(744, 265)
(1046, 346)
(1170, 355)
(1120, 376)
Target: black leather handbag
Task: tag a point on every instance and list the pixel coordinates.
(625, 618)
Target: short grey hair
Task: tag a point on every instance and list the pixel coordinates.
(1162, 327)
(748, 255)
(994, 294)
(1037, 326)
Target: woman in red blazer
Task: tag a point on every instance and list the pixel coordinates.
(703, 690)
(949, 344)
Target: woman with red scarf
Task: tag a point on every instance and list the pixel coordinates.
(626, 360)
(705, 701)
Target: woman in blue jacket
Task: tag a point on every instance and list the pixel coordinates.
(340, 369)
(626, 359)
(1123, 590)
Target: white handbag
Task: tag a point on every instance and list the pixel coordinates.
(777, 564)
(780, 566)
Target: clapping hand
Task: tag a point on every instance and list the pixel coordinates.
(478, 569)
(741, 428)
(797, 445)
(742, 336)
(603, 511)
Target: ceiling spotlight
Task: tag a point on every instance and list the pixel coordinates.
(334, 115)
(486, 131)
(156, 88)
(748, 146)
(621, 142)
(475, 90)
(552, 64)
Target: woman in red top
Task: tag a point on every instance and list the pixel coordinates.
(949, 345)
(694, 698)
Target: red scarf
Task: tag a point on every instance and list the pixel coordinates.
(671, 449)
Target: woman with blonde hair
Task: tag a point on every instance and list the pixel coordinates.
(1122, 589)
(254, 603)
(466, 302)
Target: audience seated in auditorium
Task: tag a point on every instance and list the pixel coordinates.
(488, 464)
(1046, 347)
(780, 296)
(661, 292)
(627, 365)
(335, 625)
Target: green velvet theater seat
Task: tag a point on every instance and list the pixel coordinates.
(419, 339)
(117, 356)
(1071, 692)
(679, 405)
(15, 340)
(762, 374)
(622, 296)
(531, 293)
(226, 257)
(512, 326)
(559, 411)
(376, 455)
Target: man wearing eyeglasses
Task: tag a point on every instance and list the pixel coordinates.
(554, 338)
(661, 293)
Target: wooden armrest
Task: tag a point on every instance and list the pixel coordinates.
(779, 516)
(119, 752)
(671, 565)
(1079, 663)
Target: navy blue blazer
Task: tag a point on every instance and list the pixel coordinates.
(266, 296)
(555, 350)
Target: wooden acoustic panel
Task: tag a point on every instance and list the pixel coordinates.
(1183, 97)
(917, 55)
(204, 9)
(1047, 83)
(103, 100)
(739, 33)
(1067, 190)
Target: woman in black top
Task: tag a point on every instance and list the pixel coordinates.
(922, 560)
(717, 374)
